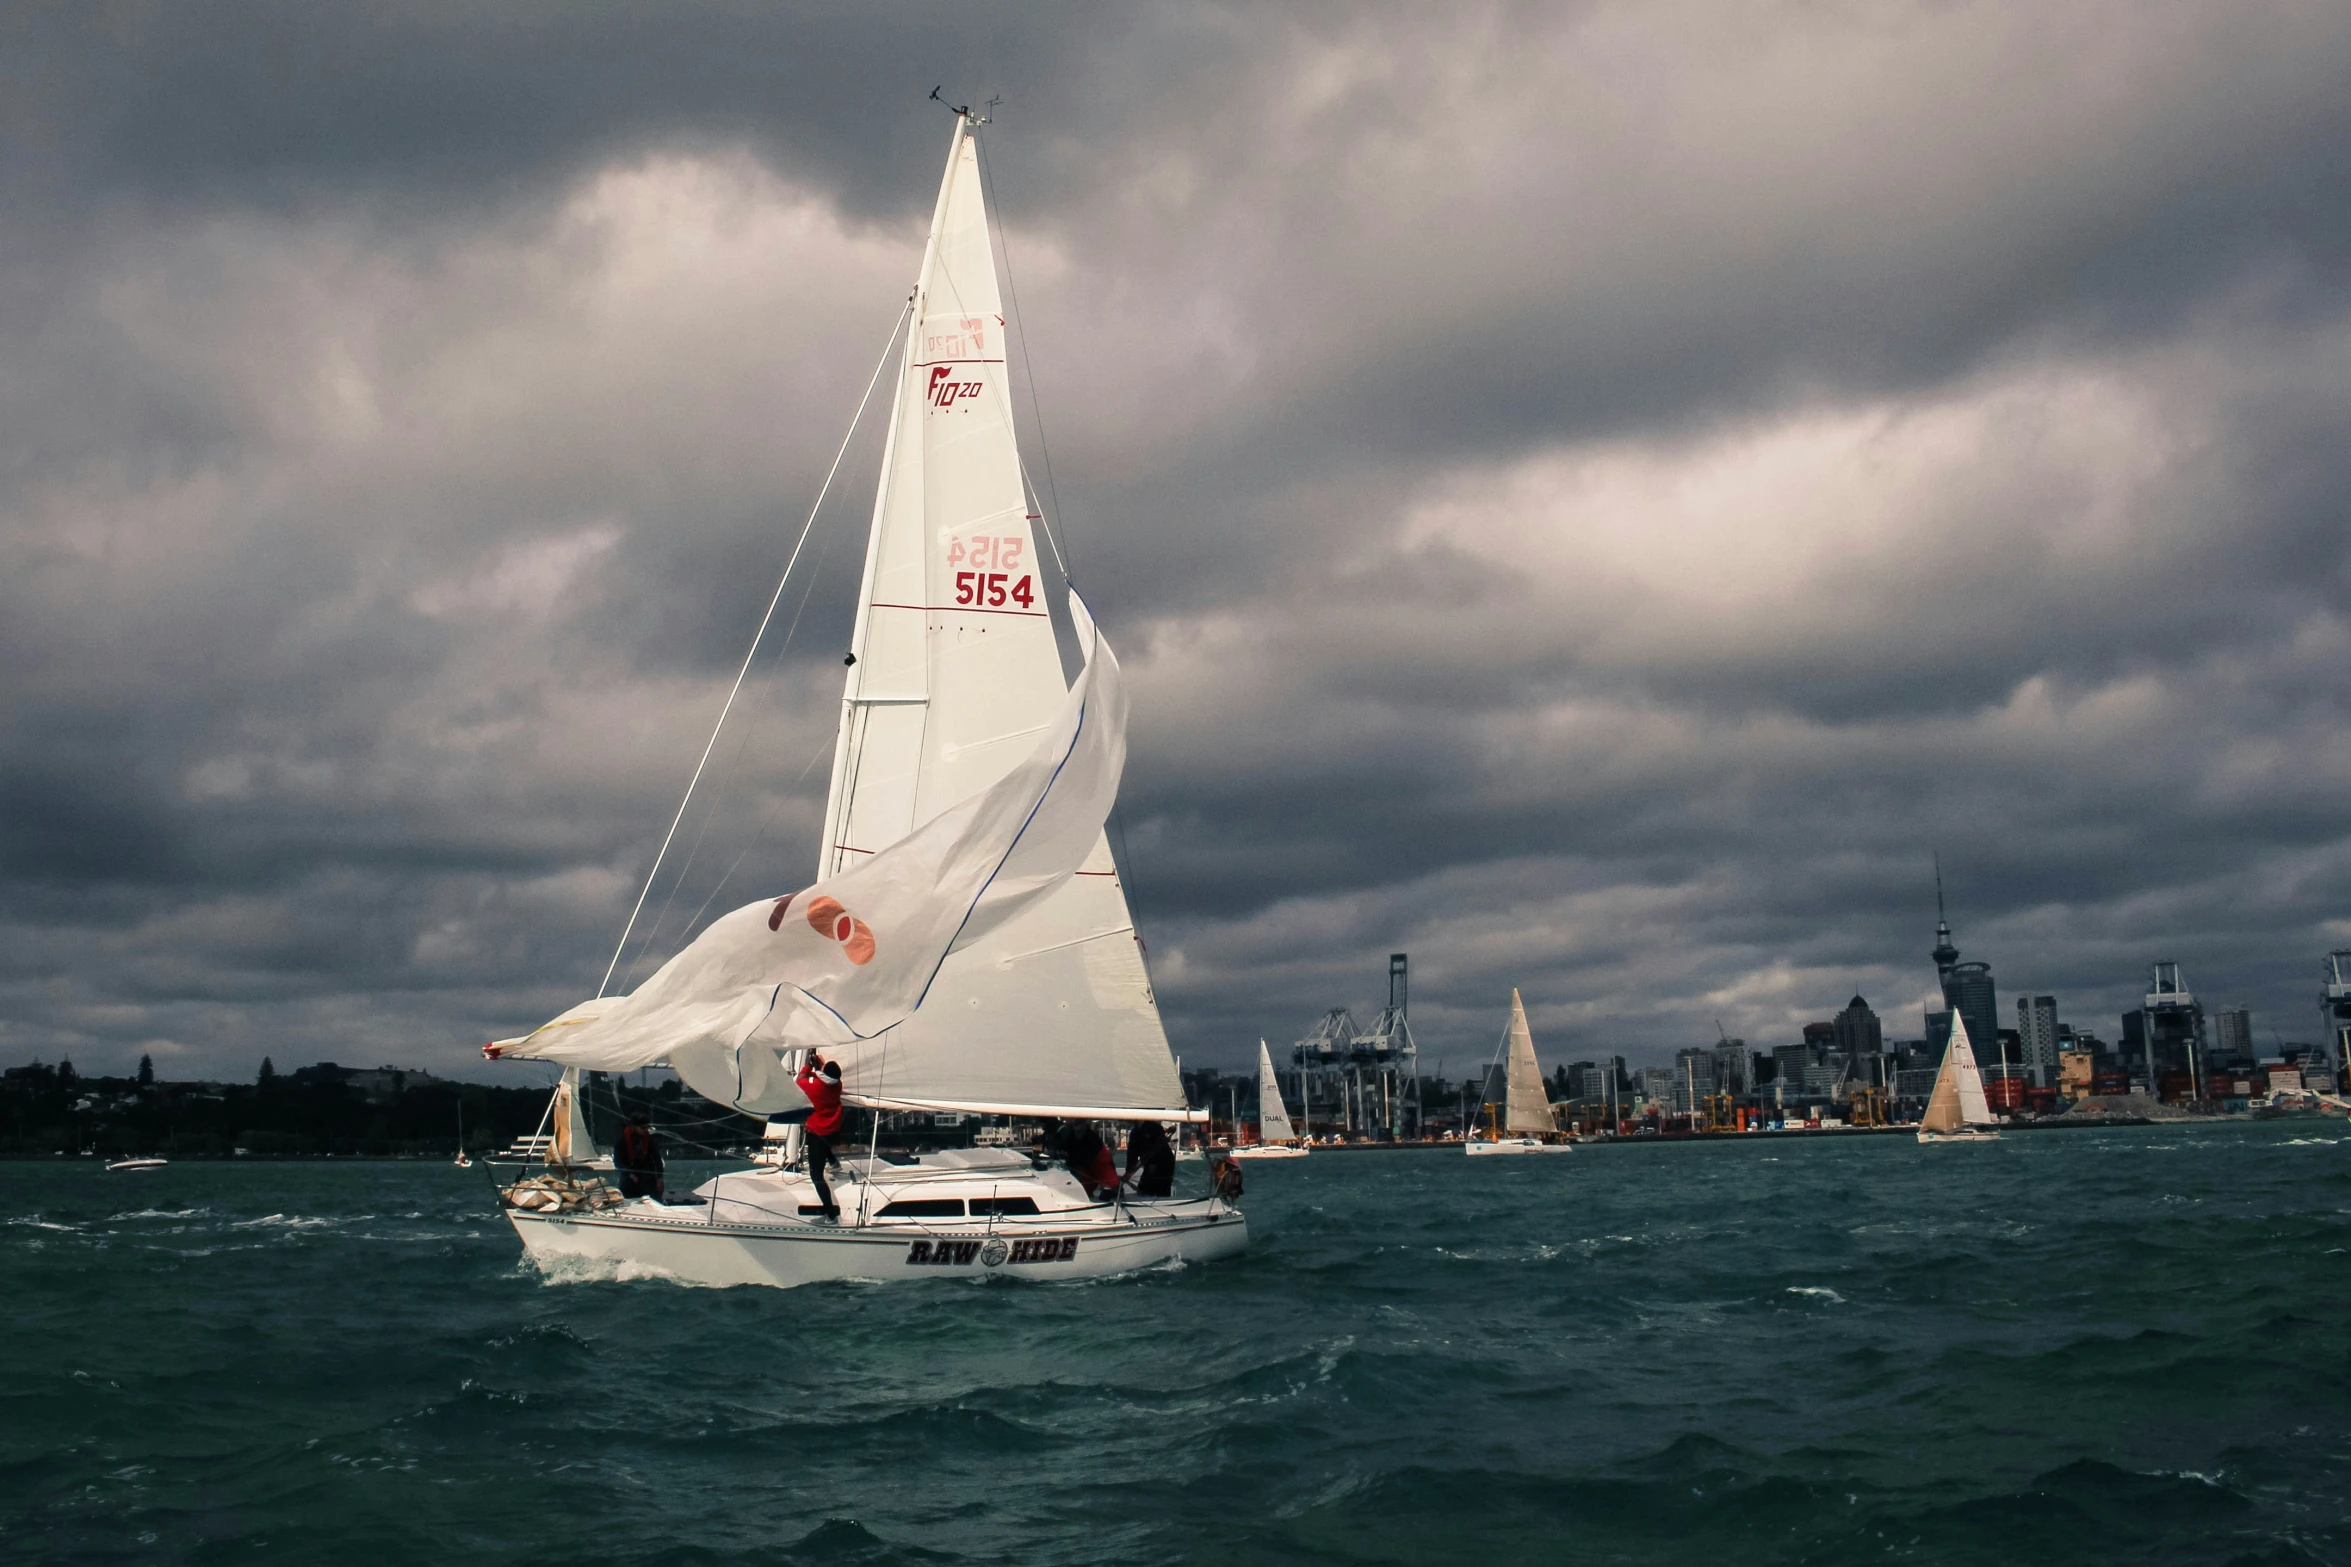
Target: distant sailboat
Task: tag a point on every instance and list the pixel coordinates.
(121, 1165)
(1957, 1111)
(1276, 1138)
(462, 1162)
(1527, 1124)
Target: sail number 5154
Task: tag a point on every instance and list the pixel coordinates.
(986, 588)
(995, 589)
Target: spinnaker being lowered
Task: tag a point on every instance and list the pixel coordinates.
(966, 944)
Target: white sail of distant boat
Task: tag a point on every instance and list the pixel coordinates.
(1527, 1125)
(1276, 1138)
(1956, 1110)
(972, 946)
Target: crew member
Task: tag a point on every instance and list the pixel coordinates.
(1150, 1160)
(1224, 1178)
(636, 1159)
(1089, 1159)
(820, 1080)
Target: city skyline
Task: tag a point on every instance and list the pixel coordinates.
(1594, 498)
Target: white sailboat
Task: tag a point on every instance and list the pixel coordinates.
(563, 1138)
(1527, 1125)
(1957, 1111)
(972, 947)
(1276, 1138)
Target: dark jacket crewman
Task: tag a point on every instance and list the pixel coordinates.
(1150, 1160)
(636, 1159)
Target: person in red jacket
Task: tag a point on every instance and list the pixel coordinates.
(820, 1080)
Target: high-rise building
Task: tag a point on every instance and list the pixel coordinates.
(1730, 1068)
(1787, 1067)
(1969, 991)
(2337, 1002)
(1857, 1031)
(2232, 1035)
(2037, 1037)
(2164, 1039)
(1693, 1076)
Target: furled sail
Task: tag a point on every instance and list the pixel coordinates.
(1273, 1118)
(571, 1141)
(1958, 1099)
(1527, 1107)
(955, 669)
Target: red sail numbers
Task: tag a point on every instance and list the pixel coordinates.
(988, 572)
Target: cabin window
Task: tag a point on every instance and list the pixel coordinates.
(924, 1208)
(981, 1207)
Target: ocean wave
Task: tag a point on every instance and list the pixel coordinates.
(1816, 1291)
(558, 1271)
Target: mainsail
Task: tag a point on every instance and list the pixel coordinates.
(1527, 1106)
(1273, 1119)
(956, 671)
(1958, 1099)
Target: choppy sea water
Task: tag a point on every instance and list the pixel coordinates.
(2113, 1346)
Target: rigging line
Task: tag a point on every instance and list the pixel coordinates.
(777, 598)
(824, 553)
(1027, 370)
(767, 823)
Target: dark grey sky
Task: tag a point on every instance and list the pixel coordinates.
(1589, 495)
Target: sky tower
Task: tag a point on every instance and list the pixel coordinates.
(1945, 954)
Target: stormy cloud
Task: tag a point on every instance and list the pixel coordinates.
(1592, 496)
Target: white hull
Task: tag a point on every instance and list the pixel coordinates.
(137, 1164)
(1255, 1151)
(1513, 1145)
(748, 1229)
(1970, 1135)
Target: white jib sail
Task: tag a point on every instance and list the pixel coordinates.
(956, 671)
(1527, 1106)
(1273, 1118)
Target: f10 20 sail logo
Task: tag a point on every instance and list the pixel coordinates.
(992, 576)
(947, 387)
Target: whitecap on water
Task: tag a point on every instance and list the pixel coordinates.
(600, 1270)
(1817, 1292)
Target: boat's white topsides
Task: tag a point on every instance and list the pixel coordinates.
(968, 1210)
